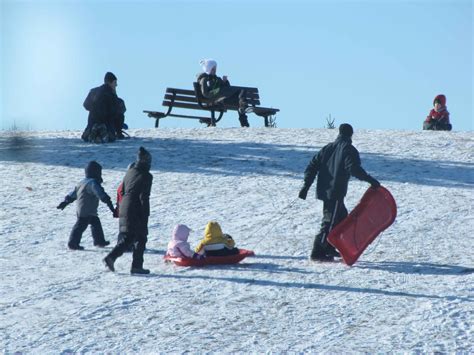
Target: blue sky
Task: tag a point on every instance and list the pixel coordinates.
(375, 64)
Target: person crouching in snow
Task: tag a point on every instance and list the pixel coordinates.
(88, 193)
(216, 243)
(178, 246)
(438, 119)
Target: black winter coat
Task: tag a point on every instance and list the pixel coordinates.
(103, 105)
(135, 205)
(213, 87)
(334, 165)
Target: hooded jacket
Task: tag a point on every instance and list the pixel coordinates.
(334, 165)
(211, 85)
(442, 115)
(214, 239)
(89, 191)
(178, 245)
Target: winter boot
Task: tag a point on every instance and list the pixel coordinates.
(318, 251)
(331, 251)
(75, 247)
(102, 244)
(141, 271)
(243, 120)
(109, 262)
(321, 258)
(334, 253)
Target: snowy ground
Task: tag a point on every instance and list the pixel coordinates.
(412, 290)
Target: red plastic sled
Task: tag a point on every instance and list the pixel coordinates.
(375, 212)
(211, 260)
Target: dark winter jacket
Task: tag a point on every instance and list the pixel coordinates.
(334, 165)
(213, 87)
(103, 105)
(88, 193)
(135, 204)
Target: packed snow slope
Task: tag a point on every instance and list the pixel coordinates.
(412, 290)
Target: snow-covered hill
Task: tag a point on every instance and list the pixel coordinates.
(412, 290)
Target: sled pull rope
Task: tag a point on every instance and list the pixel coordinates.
(279, 216)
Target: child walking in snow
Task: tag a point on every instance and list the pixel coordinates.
(178, 246)
(216, 243)
(438, 118)
(88, 193)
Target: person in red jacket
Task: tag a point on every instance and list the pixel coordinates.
(438, 119)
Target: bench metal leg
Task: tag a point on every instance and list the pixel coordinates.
(270, 121)
(157, 123)
(213, 118)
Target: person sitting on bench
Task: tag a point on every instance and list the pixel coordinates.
(219, 89)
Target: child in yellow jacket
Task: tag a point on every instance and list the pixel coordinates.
(216, 243)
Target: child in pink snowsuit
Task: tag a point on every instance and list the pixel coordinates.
(178, 246)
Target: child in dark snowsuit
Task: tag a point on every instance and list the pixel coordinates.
(87, 193)
(438, 118)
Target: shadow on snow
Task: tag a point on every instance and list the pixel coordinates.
(224, 158)
(415, 268)
(316, 286)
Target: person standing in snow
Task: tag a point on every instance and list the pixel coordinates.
(134, 212)
(334, 165)
(438, 118)
(219, 89)
(88, 193)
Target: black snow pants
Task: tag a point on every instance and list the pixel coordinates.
(236, 97)
(334, 211)
(81, 226)
(137, 242)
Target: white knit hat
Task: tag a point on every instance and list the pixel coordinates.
(207, 65)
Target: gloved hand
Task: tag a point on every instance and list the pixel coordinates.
(303, 193)
(374, 182)
(198, 256)
(62, 205)
(116, 212)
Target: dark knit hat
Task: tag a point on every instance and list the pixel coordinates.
(144, 157)
(346, 130)
(109, 77)
(93, 170)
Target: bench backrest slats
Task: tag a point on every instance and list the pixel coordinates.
(191, 92)
(183, 98)
(181, 91)
(251, 90)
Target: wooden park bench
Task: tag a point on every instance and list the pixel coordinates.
(193, 100)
